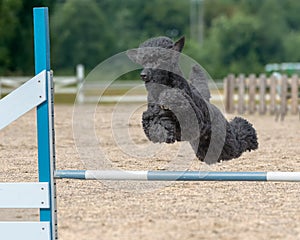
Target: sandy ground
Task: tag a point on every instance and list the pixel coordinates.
(183, 210)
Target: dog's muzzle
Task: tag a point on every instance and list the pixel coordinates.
(146, 74)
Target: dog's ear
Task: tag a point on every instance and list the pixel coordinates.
(178, 46)
(133, 55)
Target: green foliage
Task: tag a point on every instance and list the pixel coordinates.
(90, 31)
(80, 35)
(247, 35)
(239, 35)
(8, 24)
(233, 45)
(134, 21)
(16, 40)
(291, 47)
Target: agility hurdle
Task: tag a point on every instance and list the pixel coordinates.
(35, 93)
(118, 175)
(38, 93)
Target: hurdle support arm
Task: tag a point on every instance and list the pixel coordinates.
(23, 99)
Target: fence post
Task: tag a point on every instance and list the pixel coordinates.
(283, 97)
(294, 85)
(262, 94)
(273, 93)
(226, 93)
(229, 93)
(252, 93)
(80, 77)
(241, 94)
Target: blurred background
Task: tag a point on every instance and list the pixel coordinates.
(228, 36)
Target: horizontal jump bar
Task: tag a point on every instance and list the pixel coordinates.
(118, 175)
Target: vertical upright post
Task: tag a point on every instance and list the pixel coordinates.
(229, 84)
(283, 96)
(241, 94)
(294, 86)
(45, 115)
(252, 94)
(273, 84)
(262, 94)
(80, 77)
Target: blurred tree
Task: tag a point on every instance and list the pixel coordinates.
(80, 34)
(16, 38)
(8, 25)
(245, 36)
(135, 21)
(162, 17)
(290, 10)
(90, 31)
(232, 46)
(291, 47)
(240, 35)
(272, 31)
(216, 8)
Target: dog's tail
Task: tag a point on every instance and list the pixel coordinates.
(245, 134)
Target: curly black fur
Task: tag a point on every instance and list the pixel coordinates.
(179, 110)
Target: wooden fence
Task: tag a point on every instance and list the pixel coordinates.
(276, 95)
(63, 84)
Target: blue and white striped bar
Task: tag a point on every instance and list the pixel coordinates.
(118, 175)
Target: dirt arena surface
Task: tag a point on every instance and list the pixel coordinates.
(183, 210)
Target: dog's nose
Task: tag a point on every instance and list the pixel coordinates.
(143, 76)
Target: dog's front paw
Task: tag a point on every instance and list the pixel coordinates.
(158, 134)
(154, 131)
(159, 130)
(147, 122)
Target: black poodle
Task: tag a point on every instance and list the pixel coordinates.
(180, 110)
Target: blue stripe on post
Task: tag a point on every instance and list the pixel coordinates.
(44, 127)
(73, 174)
(41, 40)
(205, 176)
(169, 175)
(236, 176)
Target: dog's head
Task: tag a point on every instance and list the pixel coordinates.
(159, 56)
